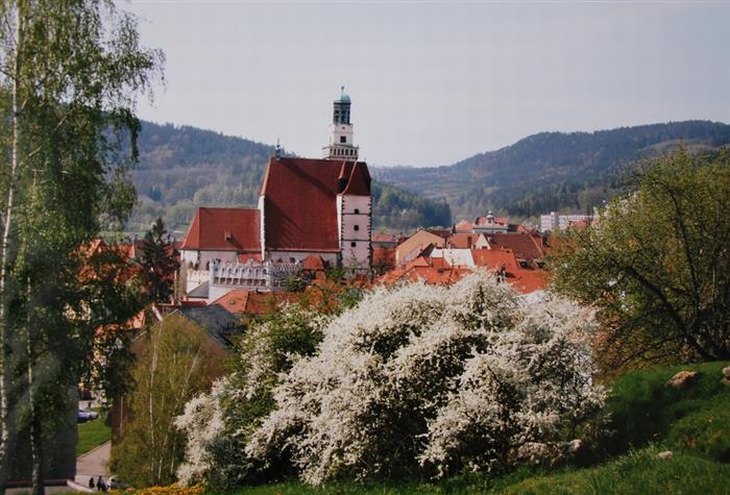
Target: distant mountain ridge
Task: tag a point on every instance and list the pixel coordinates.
(182, 168)
(550, 171)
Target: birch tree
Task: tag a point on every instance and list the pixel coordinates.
(178, 361)
(69, 73)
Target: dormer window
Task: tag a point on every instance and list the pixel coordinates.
(228, 236)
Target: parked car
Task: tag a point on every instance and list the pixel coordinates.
(85, 415)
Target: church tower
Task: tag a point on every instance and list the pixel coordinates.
(341, 146)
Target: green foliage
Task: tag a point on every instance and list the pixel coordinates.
(219, 424)
(636, 472)
(656, 264)
(92, 434)
(550, 171)
(178, 361)
(69, 73)
(159, 262)
(266, 350)
(647, 415)
(182, 168)
(643, 409)
(397, 209)
(704, 431)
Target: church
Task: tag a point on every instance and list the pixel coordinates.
(308, 209)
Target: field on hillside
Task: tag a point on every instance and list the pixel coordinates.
(649, 418)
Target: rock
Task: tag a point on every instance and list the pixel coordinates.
(666, 455)
(682, 379)
(726, 372)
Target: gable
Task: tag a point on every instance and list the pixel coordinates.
(224, 229)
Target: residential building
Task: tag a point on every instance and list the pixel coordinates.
(553, 221)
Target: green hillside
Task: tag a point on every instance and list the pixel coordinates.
(182, 168)
(686, 425)
(550, 171)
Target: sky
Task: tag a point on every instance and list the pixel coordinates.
(433, 82)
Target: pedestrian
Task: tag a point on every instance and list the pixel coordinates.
(91, 482)
(101, 484)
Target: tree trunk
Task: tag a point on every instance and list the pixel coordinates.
(36, 447)
(5, 438)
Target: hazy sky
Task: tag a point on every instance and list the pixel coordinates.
(434, 82)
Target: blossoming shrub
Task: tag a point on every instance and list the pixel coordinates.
(430, 380)
(218, 423)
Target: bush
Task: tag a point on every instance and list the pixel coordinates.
(424, 380)
(217, 424)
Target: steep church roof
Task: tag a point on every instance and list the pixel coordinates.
(300, 201)
(224, 229)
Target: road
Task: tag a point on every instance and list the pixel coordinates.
(93, 463)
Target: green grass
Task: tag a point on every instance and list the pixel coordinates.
(647, 418)
(92, 434)
(695, 418)
(634, 473)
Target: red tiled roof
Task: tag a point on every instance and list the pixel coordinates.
(525, 280)
(494, 259)
(530, 281)
(463, 226)
(313, 263)
(300, 201)
(359, 182)
(523, 245)
(252, 302)
(433, 271)
(384, 238)
(463, 240)
(224, 229)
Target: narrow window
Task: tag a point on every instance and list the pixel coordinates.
(357, 211)
(357, 227)
(353, 244)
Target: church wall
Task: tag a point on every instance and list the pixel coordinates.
(283, 256)
(355, 223)
(203, 258)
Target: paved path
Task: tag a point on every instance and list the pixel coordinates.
(93, 463)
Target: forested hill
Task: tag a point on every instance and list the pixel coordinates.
(550, 171)
(182, 168)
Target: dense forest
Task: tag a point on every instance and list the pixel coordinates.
(551, 171)
(182, 168)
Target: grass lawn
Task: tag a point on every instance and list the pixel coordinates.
(92, 434)
(647, 417)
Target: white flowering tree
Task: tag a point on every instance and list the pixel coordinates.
(430, 380)
(217, 424)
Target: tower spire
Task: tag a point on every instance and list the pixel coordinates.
(341, 146)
